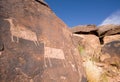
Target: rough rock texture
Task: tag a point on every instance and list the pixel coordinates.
(113, 50)
(85, 29)
(103, 58)
(88, 45)
(35, 45)
(108, 29)
(111, 38)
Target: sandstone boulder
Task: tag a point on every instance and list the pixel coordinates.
(88, 45)
(107, 66)
(111, 58)
(84, 29)
(108, 30)
(35, 45)
(111, 38)
(112, 48)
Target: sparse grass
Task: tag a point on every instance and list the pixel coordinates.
(96, 73)
(92, 71)
(95, 59)
(81, 49)
(103, 77)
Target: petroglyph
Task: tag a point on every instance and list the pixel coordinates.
(63, 77)
(21, 31)
(0, 53)
(53, 53)
(73, 66)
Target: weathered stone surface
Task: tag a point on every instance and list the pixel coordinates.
(108, 30)
(84, 29)
(89, 48)
(111, 38)
(107, 54)
(89, 44)
(35, 45)
(111, 58)
(112, 48)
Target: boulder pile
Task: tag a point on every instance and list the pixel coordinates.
(100, 50)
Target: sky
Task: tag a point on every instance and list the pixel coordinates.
(82, 12)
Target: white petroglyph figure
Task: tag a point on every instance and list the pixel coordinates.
(53, 53)
(0, 53)
(21, 31)
(73, 66)
(14, 31)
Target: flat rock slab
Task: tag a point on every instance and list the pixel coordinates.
(108, 30)
(111, 38)
(84, 28)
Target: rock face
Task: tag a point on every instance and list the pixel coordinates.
(88, 45)
(111, 39)
(111, 49)
(86, 40)
(35, 45)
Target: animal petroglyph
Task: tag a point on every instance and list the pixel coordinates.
(21, 31)
(53, 53)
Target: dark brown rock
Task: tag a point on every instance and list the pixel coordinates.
(37, 45)
(112, 49)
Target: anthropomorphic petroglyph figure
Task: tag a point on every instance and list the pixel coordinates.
(21, 31)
